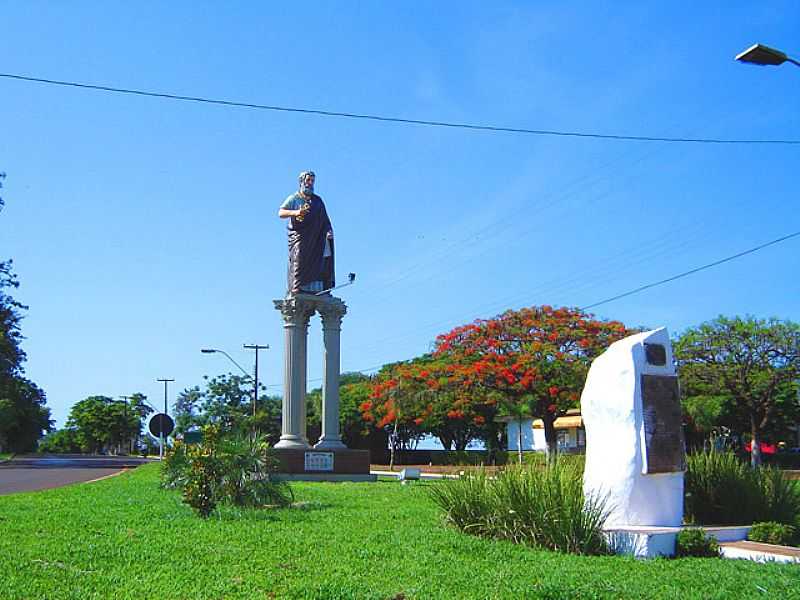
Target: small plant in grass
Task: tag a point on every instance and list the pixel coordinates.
(694, 542)
(201, 483)
(539, 506)
(234, 468)
(770, 532)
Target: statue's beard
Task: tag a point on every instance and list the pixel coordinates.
(307, 189)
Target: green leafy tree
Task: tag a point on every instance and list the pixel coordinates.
(227, 402)
(104, 424)
(60, 441)
(11, 354)
(187, 410)
(92, 421)
(24, 417)
(748, 367)
(354, 390)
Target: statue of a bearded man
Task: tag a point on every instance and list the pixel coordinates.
(311, 268)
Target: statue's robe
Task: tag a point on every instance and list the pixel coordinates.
(307, 247)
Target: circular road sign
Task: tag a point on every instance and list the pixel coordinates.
(161, 424)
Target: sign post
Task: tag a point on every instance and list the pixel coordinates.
(163, 437)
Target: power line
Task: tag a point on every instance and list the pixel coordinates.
(641, 288)
(388, 119)
(692, 271)
(440, 324)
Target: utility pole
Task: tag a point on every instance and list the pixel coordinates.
(255, 347)
(161, 437)
(127, 437)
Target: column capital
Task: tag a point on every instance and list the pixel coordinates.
(332, 311)
(294, 310)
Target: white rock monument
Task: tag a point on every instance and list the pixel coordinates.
(635, 450)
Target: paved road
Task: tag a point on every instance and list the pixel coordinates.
(29, 473)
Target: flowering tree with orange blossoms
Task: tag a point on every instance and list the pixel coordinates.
(533, 361)
(393, 405)
(418, 397)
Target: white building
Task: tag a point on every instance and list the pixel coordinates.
(570, 433)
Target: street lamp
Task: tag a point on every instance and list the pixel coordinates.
(759, 54)
(230, 358)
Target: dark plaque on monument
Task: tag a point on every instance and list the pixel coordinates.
(664, 450)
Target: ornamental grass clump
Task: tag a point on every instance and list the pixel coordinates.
(232, 468)
(541, 507)
(721, 489)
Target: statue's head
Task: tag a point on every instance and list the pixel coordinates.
(306, 181)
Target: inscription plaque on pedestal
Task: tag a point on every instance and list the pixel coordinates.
(319, 461)
(664, 449)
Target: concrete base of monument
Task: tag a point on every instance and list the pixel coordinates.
(309, 464)
(650, 542)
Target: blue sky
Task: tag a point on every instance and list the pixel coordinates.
(143, 230)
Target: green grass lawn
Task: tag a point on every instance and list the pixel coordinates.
(124, 537)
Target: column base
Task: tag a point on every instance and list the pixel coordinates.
(293, 442)
(330, 444)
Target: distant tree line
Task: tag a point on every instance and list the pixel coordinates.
(739, 379)
(100, 424)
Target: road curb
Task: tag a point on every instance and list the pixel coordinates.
(120, 472)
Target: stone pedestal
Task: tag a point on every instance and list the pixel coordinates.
(334, 465)
(635, 454)
(330, 459)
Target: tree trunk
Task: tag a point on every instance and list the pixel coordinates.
(519, 441)
(446, 441)
(392, 444)
(492, 442)
(755, 445)
(550, 437)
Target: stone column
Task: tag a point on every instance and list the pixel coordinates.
(296, 313)
(331, 312)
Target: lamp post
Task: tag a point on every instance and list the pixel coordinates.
(217, 351)
(759, 54)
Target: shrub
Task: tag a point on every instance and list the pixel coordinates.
(245, 467)
(770, 532)
(175, 467)
(233, 468)
(722, 489)
(694, 542)
(200, 484)
(539, 506)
